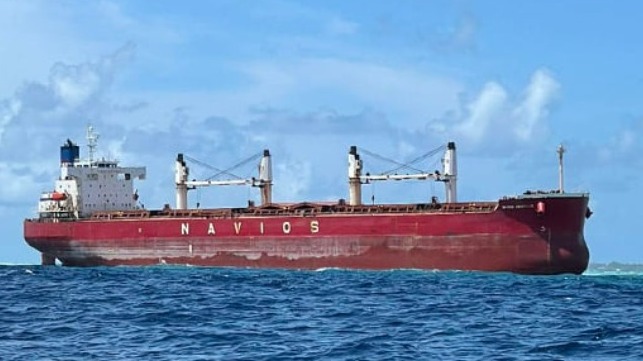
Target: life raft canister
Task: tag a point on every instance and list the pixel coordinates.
(58, 196)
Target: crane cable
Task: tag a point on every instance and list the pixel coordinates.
(238, 165)
(422, 157)
(404, 165)
(229, 169)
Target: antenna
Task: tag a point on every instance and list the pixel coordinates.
(92, 142)
(560, 152)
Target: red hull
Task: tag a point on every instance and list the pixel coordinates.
(513, 235)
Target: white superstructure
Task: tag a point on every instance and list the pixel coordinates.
(87, 186)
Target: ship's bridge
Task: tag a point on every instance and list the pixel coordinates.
(87, 186)
(96, 164)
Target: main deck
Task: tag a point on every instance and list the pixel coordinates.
(289, 210)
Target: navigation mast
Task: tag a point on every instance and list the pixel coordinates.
(560, 152)
(92, 142)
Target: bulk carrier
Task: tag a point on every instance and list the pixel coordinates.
(92, 218)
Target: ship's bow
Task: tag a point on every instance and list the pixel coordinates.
(558, 221)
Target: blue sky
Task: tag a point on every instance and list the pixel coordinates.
(222, 80)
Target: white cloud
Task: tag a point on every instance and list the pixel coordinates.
(40, 116)
(485, 109)
(9, 109)
(410, 94)
(621, 148)
(294, 180)
(540, 93)
(72, 92)
(74, 85)
(494, 119)
(18, 184)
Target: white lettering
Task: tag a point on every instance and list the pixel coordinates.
(211, 229)
(286, 227)
(185, 229)
(314, 226)
(237, 227)
(261, 227)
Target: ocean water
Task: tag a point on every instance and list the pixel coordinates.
(185, 313)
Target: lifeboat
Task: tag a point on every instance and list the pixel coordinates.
(53, 196)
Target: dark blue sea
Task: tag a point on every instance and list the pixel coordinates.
(185, 313)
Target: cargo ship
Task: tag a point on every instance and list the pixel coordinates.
(92, 218)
